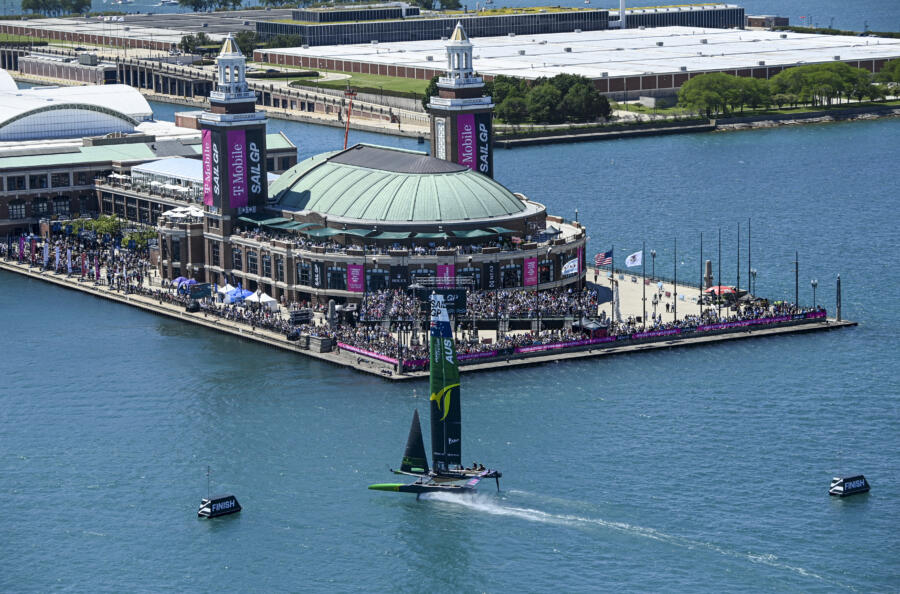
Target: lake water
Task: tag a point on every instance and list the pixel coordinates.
(704, 469)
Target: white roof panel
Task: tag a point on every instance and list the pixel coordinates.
(121, 98)
(628, 52)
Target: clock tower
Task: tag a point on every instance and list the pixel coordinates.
(461, 114)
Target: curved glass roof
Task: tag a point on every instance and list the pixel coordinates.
(377, 184)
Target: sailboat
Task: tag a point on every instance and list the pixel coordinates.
(448, 474)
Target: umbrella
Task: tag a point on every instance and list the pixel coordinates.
(720, 290)
(179, 280)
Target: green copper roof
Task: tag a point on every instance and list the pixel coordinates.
(369, 183)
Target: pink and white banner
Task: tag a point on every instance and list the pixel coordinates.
(367, 353)
(236, 141)
(206, 136)
(531, 272)
(356, 279)
(465, 140)
(446, 276)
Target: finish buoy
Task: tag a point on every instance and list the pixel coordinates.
(220, 505)
(850, 485)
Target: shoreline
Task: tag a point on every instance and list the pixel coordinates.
(670, 126)
(383, 370)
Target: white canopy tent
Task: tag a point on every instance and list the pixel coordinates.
(264, 300)
(225, 289)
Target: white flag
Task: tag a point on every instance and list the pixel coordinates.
(635, 259)
(570, 267)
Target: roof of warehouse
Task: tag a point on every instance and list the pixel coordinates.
(615, 52)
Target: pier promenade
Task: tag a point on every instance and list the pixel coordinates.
(629, 304)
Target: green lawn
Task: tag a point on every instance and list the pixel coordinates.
(371, 83)
(9, 38)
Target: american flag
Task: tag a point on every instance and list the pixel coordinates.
(604, 259)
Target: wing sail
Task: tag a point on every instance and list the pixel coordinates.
(446, 422)
(414, 458)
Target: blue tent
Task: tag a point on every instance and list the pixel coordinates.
(237, 295)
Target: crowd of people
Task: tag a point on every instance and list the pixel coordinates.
(384, 313)
(396, 304)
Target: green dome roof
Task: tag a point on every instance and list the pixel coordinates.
(386, 185)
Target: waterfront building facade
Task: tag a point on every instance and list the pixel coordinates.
(367, 218)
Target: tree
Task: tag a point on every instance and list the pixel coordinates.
(285, 41)
(247, 42)
(543, 103)
(430, 91)
(889, 73)
(583, 103)
(512, 110)
(708, 93)
(451, 5)
(502, 86)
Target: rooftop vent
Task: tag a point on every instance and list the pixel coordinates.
(246, 23)
(783, 35)
(305, 46)
(604, 74)
(659, 43)
(578, 30)
(543, 42)
(837, 57)
(683, 68)
(510, 34)
(443, 38)
(521, 52)
(374, 42)
(642, 27)
(762, 62)
(704, 41)
(568, 50)
(429, 58)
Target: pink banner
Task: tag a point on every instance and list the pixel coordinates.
(367, 353)
(562, 345)
(531, 272)
(465, 140)
(236, 141)
(207, 167)
(356, 279)
(446, 274)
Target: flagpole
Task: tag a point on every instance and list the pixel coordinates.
(719, 278)
(700, 298)
(644, 279)
(739, 258)
(675, 284)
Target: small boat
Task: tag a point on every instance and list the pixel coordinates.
(448, 474)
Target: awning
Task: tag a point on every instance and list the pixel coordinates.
(326, 232)
(551, 231)
(392, 235)
(430, 236)
(356, 232)
(472, 233)
(501, 230)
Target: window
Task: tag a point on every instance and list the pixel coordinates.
(213, 222)
(337, 278)
(303, 273)
(418, 274)
(61, 206)
(59, 180)
(40, 208)
(545, 271)
(176, 249)
(270, 164)
(279, 268)
(252, 267)
(17, 209)
(237, 261)
(83, 178)
(377, 279)
(267, 265)
(214, 254)
(37, 182)
(470, 272)
(285, 163)
(511, 276)
(15, 182)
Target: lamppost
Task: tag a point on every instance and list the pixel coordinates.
(653, 265)
(753, 279)
(815, 283)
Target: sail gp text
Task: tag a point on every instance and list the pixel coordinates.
(483, 148)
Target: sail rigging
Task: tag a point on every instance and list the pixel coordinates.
(446, 421)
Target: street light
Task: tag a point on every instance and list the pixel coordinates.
(815, 283)
(653, 264)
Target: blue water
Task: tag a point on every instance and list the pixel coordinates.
(877, 15)
(703, 469)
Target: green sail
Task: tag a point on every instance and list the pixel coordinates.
(446, 422)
